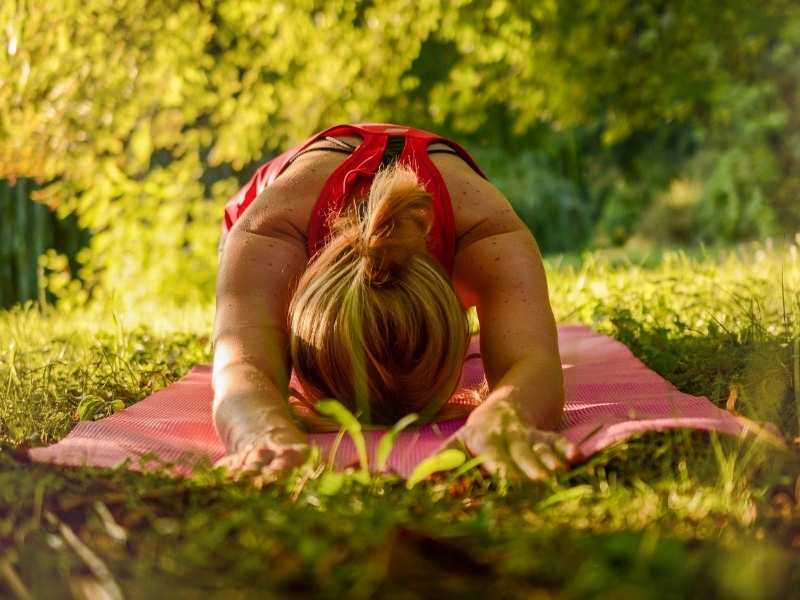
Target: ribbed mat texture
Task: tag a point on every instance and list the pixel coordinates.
(610, 395)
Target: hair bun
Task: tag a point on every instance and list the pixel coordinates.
(394, 224)
(375, 321)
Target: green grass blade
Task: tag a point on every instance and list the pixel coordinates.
(796, 379)
(579, 491)
(335, 448)
(469, 465)
(389, 438)
(446, 460)
(336, 410)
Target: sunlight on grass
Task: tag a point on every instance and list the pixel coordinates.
(680, 514)
(60, 367)
(714, 325)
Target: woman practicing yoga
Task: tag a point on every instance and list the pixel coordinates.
(352, 259)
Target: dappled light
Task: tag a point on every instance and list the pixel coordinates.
(140, 120)
(650, 147)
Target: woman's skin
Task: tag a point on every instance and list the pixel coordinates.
(497, 268)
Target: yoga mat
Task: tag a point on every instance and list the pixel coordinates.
(610, 396)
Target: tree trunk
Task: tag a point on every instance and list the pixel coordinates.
(28, 230)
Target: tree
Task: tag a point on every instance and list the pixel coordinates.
(141, 117)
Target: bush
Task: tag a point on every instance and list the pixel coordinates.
(550, 205)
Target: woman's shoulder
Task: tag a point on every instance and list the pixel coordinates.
(287, 203)
(479, 208)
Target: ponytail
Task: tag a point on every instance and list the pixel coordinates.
(375, 321)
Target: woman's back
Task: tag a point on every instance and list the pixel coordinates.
(495, 266)
(313, 189)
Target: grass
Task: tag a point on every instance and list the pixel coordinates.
(663, 515)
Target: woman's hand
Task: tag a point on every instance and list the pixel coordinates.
(268, 455)
(495, 430)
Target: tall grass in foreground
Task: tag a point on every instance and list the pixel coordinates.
(663, 515)
(724, 326)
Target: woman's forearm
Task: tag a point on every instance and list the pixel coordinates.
(250, 380)
(248, 405)
(533, 388)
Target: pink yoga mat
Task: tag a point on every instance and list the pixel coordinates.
(610, 395)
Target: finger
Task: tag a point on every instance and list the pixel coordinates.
(264, 479)
(527, 461)
(285, 462)
(252, 467)
(256, 459)
(549, 457)
(245, 462)
(223, 462)
(495, 467)
(561, 446)
(233, 464)
(532, 467)
(569, 450)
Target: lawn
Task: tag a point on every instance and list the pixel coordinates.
(677, 515)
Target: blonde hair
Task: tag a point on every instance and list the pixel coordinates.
(375, 321)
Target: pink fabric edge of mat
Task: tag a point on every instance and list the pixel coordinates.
(610, 396)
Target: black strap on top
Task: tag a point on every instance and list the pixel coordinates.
(339, 146)
(393, 150)
(323, 149)
(444, 151)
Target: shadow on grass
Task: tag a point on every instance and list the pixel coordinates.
(751, 371)
(662, 515)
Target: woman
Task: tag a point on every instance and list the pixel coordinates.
(352, 259)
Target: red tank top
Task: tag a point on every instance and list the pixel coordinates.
(381, 144)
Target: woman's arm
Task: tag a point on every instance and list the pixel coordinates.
(264, 255)
(250, 368)
(499, 270)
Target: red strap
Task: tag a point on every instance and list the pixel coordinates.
(354, 177)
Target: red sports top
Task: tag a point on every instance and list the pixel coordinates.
(382, 143)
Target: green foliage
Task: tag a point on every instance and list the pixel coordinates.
(143, 117)
(656, 525)
(57, 370)
(102, 106)
(663, 515)
(733, 206)
(718, 326)
(575, 62)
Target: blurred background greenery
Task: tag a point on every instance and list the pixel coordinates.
(126, 124)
